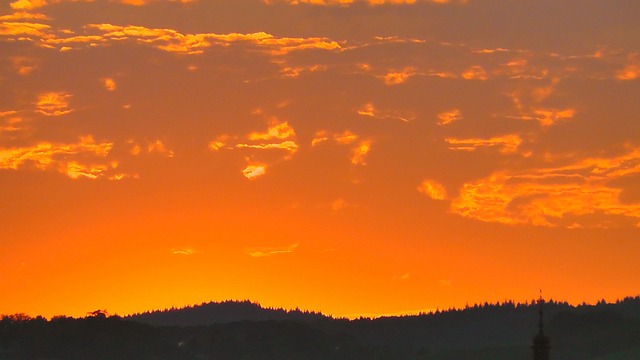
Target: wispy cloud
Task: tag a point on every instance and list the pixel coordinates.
(505, 143)
(54, 104)
(272, 251)
(556, 196)
(433, 190)
(447, 117)
(68, 159)
(254, 170)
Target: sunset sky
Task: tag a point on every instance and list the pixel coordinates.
(355, 157)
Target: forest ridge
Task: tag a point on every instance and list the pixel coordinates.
(245, 330)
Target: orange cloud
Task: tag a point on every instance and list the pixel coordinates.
(447, 117)
(560, 196)
(158, 146)
(27, 4)
(398, 77)
(475, 73)
(62, 157)
(24, 29)
(183, 252)
(346, 137)
(253, 171)
(53, 104)
(266, 252)
(360, 153)
(370, 110)
(632, 70)
(548, 117)
(22, 15)
(433, 189)
(109, 84)
(289, 146)
(24, 65)
(277, 130)
(369, 2)
(506, 143)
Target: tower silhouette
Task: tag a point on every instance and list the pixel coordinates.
(540, 341)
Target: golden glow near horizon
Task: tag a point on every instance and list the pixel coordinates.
(196, 151)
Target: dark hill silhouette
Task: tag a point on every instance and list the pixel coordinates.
(221, 312)
(490, 331)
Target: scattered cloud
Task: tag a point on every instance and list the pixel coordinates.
(475, 72)
(277, 130)
(255, 170)
(24, 65)
(108, 84)
(403, 277)
(53, 104)
(632, 70)
(433, 189)
(183, 252)
(447, 117)
(506, 143)
(557, 196)
(549, 117)
(369, 2)
(70, 159)
(398, 76)
(158, 146)
(370, 110)
(27, 4)
(272, 251)
(24, 29)
(360, 153)
(339, 204)
(346, 137)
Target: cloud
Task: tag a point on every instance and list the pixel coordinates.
(277, 130)
(109, 84)
(369, 2)
(145, 2)
(506, 143)
(398, 76)
(267, 252)
(64, 158)
(403, 277)
(158, 146)
(360, 153)
(254, 170)
(28, 4)
(24, 65)
(433, 189)
(22, 15)
(370, 110)
(278, 136)
(183, 252)
(53, 104)
(346, 137)
(632, 70)
(548, 117)
(22, 29)
(447, 117)
(558, 196)
(34, 4)
(173, 41)
(339, 204)
(475, 72)
(289, 146)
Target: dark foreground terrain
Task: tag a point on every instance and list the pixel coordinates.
(243, 330)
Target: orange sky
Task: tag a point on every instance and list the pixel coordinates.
(350, 157)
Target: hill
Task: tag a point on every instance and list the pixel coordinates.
(221, 312)
(242, 330)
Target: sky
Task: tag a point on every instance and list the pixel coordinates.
(354, 157)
